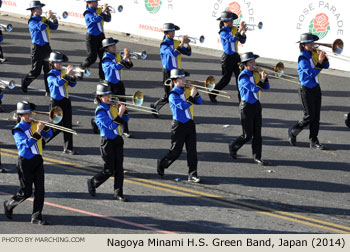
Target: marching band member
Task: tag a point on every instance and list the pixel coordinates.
(108, 119)
(250, 82)
(1, 96)
(170, 54)
(112, 66)
(310, 64)
(39, 28)
(94, 19)
(183, 130)
(28, 137)
(2, 58)
(230, 58)
(59, 80)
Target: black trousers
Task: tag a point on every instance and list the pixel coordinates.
(251, 120)
(112, 154)
(39, 56)
(165, 99)
(182, 133)
(311, 102)
(30, 171)
(229, 65)
(66, 106)
(93, 45)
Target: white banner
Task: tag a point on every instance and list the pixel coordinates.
(283, 21)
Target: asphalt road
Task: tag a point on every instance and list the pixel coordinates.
(302, 191)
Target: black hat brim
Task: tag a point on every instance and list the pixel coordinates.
(65, 59)
(115, 41)
(41, 5)
(314, 38)
(254, 56)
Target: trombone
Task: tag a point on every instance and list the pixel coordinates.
(135, 55)
(259, 25)
(55, 116)
(278, 71)
(337, 48)
(206, 86)
(137, 100)
(7, 84)
(77, 70)
(191, 39)
(112, 9)
(7, 28)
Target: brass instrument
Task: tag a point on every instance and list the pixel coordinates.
(191, 39)
(7, 28)
(54, 15)
(112, 9)
(135, 55)
(337, 48)
(277, 71)
(259, 25)
(206, 86)
(7, 84)
(55, 116)
(77, 70)
(137, 100)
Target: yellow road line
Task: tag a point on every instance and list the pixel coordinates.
(212, 197)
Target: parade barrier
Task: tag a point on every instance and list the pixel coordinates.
(283, 21)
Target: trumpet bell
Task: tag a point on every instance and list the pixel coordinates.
(120, 8)
(143, 55)
(56, 115)
(201, 39)
(9, 28)
(65, 15)
(7, 84)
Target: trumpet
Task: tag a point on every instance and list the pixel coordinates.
(259, 25)
(191, 39)
(78, 71)
(137, 100)
(7, 28)
(206, 86)
(112, 9)
(54, 15)
(7, 84)
(135, 55)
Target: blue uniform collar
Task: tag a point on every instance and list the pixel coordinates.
(36, 18)
(55, 71)
(226, 28)
(91, 9)
(178, 90)
(247, 72)
(306, 54)
(170, 41)
(110, 55)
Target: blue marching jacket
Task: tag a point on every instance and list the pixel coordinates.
(247, 86)
(59, 86)
(107, 120)
(40, 31)
(28, 143)
(168, 54)
(180, 105)
(111, 67)
(94, 20)
(309, 69)
(228, 41)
